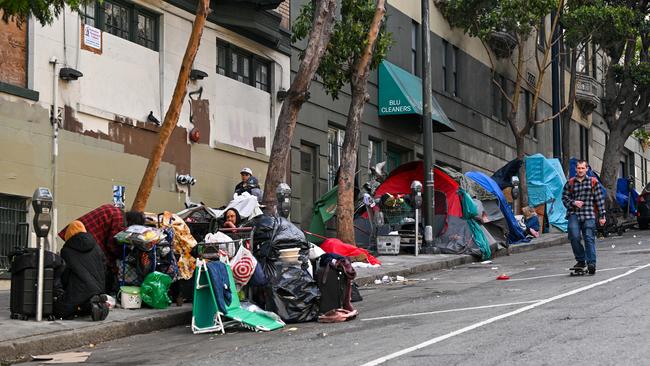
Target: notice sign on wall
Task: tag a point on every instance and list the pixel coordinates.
(91, 39)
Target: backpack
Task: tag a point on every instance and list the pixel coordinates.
(594, 184)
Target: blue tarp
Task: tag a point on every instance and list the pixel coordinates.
(545, 178)
(622, 193)
(515, 233)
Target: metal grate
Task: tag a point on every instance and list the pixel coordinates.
(14, 228)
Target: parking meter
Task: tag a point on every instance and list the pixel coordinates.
(42, 203)
(515, 187)
(416, 194)
(283, 194)
(416, 200)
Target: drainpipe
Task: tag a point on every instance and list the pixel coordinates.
(55, 151)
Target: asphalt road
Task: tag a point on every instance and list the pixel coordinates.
(462, 316)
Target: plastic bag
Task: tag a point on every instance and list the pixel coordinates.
(141, 237)
(243, 266)
(154, 290)
(294, 294)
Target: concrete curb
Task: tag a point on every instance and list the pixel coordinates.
(464, 259)
(19, 350)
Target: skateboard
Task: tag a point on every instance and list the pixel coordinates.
(578, 271)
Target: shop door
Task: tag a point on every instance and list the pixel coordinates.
(308, 183)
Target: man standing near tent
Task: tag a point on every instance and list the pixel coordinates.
(584, 201)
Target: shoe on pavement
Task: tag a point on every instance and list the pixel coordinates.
(591, 268)
(98, 307)
(579, 265)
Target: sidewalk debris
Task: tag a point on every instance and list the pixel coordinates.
(65, 357)
(503, 277)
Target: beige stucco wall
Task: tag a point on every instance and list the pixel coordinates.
(128, 81)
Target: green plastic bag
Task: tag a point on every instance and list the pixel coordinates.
(154, 290)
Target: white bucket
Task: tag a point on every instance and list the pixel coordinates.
(130, 297)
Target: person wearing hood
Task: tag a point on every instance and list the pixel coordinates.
(84, 278)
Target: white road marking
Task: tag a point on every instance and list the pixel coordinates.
(466, 329)
(450, 310)
(565, 274)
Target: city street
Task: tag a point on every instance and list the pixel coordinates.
(462, 316)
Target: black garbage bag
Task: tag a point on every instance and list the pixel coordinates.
(294, 294)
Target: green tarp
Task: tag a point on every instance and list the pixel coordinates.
(324, 210)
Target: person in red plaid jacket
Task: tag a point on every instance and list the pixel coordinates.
(585, 203)
(103, 223)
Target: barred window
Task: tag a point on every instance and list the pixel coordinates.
(335, 138)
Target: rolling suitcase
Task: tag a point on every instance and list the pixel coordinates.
(24, 278)
(332, 284)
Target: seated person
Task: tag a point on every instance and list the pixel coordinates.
(231, 219)
(531, 221)
(249, 184)
(84, 276)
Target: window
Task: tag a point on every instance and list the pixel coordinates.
(499, 102)
(14, 228)
(597, 64)
(454, 66)
(541, 34)
(243, 66)
(528, 100)
(123, 19)
(582, 64)
(584, 143)
(445, 46)
(414, 47)
(375, 152)
(395, 156)
(449, 68)
(335, 138)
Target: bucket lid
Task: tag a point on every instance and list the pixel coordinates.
(131, 290)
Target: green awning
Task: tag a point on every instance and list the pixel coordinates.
(400, 93)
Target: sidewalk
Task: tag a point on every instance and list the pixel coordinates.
(20, 339)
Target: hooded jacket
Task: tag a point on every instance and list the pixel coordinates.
(85, 273)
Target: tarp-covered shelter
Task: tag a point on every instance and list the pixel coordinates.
(545, 179)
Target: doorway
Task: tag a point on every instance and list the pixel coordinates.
(308, 182)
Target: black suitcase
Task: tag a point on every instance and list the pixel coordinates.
(24, 280)
(332, 284)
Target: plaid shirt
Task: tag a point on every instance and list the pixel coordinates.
(583, 191)
(103, 223)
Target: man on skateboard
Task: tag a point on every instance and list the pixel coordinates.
(585, 203)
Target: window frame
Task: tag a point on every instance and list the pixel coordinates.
(133, 12)
(254, 62)
(445, 83)
(332, 165)
(414, 46)
(584, 143)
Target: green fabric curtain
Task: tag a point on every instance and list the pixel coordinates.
(324, 210)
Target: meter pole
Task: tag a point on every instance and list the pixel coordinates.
(40, 283)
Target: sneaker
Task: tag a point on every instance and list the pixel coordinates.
(579, 265)
(98, 307)
(591, 268)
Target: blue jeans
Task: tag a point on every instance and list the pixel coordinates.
(583, 230)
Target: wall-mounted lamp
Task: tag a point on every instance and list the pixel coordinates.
(69, 74)
(196, 74)
(281, 95)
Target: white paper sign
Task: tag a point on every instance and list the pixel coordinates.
(92, 37)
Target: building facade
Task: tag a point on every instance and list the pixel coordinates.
(461, 73)
(130, 53)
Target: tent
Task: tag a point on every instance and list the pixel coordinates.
(515, 233)
(546, 181)
(453, 234)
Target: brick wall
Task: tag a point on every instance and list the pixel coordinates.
(13, 53)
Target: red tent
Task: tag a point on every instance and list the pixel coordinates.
(399, 182)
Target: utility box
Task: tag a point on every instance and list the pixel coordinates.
(388, 244)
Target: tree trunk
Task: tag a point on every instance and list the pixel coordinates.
(523, 185)
(174, 110)
(359, 82)
(297, 94)
(611, 162)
